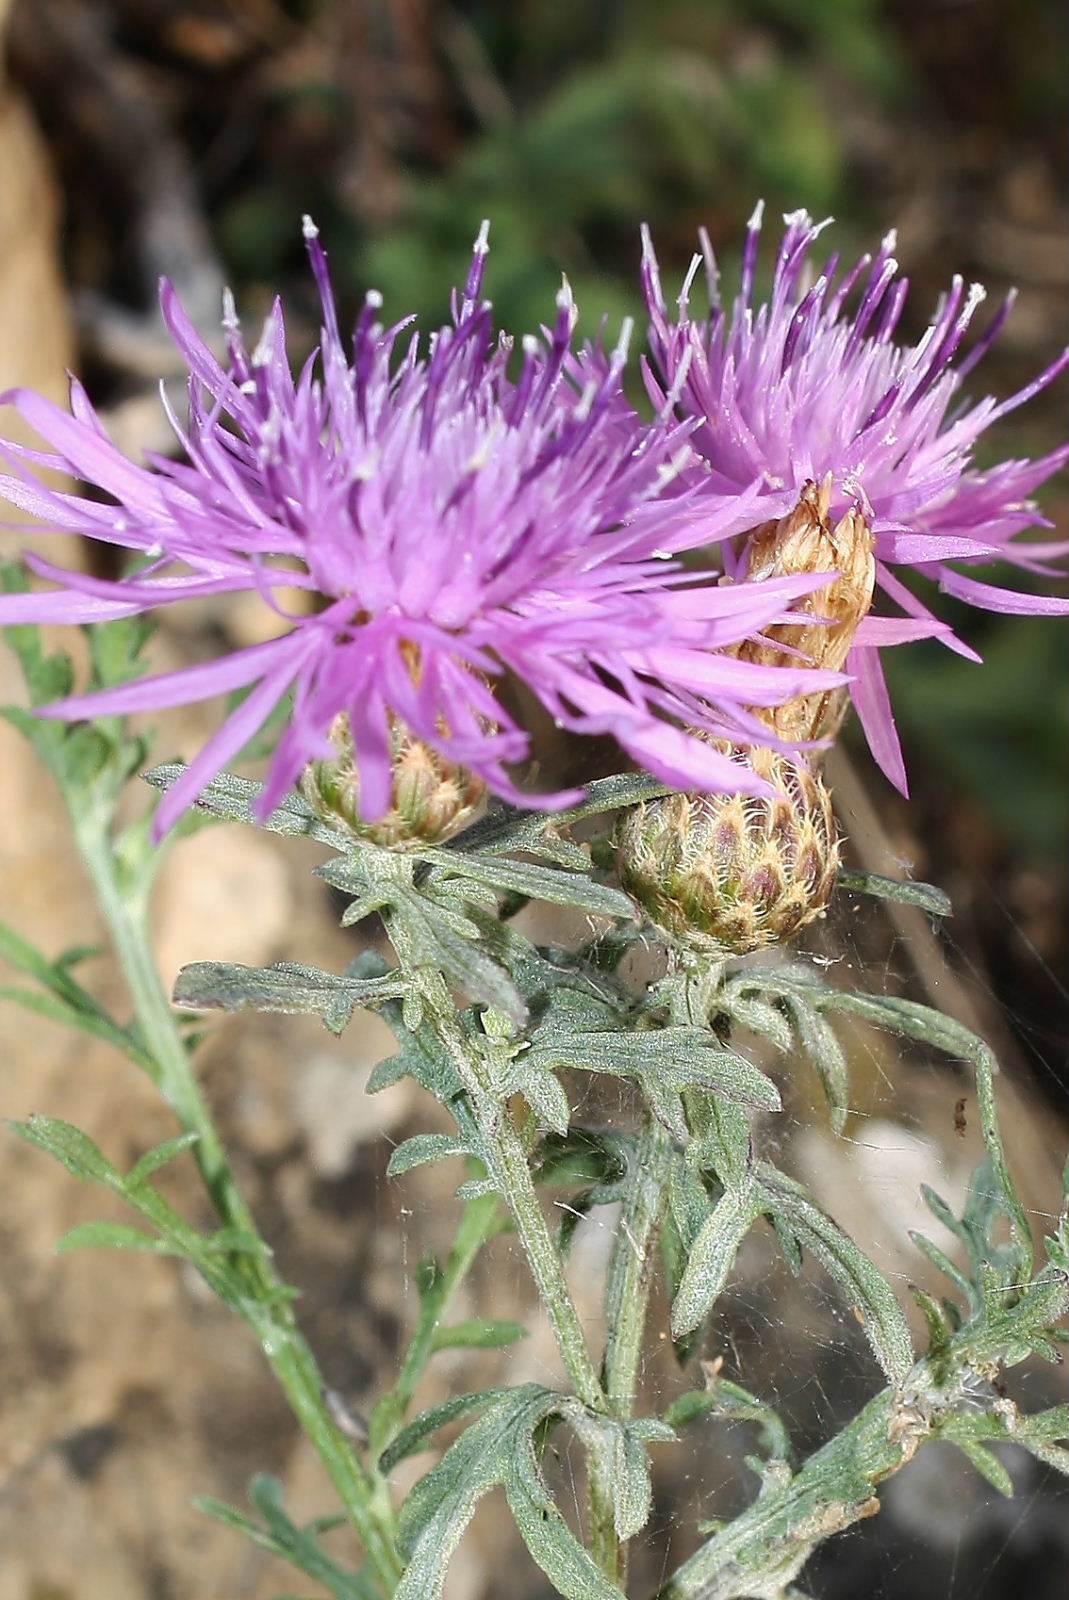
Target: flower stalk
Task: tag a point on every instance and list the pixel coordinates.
(123, 897)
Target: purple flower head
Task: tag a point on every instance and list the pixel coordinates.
(447, 521)
(810, 387)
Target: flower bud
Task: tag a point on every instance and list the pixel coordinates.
(805, 541)
(726, 874)
(432, 797)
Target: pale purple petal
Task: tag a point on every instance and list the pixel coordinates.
(990, 598)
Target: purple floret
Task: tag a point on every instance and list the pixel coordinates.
(448, 521)
(812, 382)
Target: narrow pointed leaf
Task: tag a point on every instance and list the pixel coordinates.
(901, 890)
(480, 1334)
(285, 987)
(868, 1290)
(164, 1153)
(712, 1256)
(536, 882)
(423, 1148)
(569, 1567)
(68, 1144)
(113, 1236)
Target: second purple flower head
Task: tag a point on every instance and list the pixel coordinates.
(809, 401)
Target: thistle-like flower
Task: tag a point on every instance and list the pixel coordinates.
(448, 524)
(810, 388)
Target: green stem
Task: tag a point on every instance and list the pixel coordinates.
(481, 1220)
(264, 1306)
(631, 1268)
(125, 910)
(509, 1169)
(627, 1294)
(511, 1174)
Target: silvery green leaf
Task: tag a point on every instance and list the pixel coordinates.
(936, 1321)
(285, 987)
(476, 1189)
(987, 1465)
(789, 1244)
(821, 1044)
(300, 1545)
(569, 1567)
(689, 1205)
(231, 798)
(421, 1057)
(443, 940)
(712, 1256)
(423, 1148)
(726, 1399)
(541, 1089)
(944, 1264)
(496, 1449)
(630, 1479)
(675, 1057)
(65, 1000)
(413, 1437)
(535, 882)
(1042, 1433)
(721, 1141)
(868, 1290)
(942, 1212)
(348, 875)
(365, 906)
(84, 1020)
(902, 890)
(508, 827)
(905, 1017)
(752, 1010)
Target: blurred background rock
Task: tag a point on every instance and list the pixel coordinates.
(146, 136)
